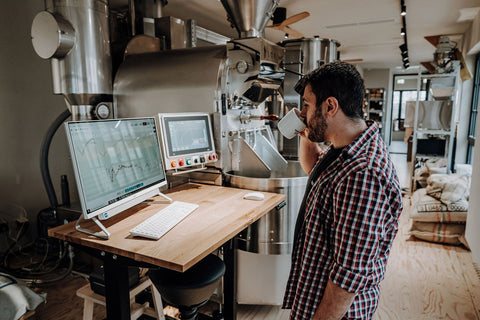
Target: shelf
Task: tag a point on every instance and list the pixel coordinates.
(433, 131)
(374, 105)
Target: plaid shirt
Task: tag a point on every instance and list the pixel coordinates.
(351, 219)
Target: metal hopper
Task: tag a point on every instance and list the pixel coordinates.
(249, 16)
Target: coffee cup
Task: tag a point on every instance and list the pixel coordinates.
(291, 124)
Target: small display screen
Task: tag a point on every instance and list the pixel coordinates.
(188, 134)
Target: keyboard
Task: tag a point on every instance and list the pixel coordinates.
(164, 220)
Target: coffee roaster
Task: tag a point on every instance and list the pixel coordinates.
(241, 83)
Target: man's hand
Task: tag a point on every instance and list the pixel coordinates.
(308, 152)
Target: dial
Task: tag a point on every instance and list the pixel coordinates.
(102, 111)
(242, 66)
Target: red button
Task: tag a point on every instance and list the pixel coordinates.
(181, 162)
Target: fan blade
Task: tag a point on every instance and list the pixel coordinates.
(433, 40)
(430, 67)
(295, 18)
(291, 32)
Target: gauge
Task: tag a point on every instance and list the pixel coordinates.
(102, 111)
(241, 66)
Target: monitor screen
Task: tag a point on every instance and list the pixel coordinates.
(115, 163)
(188, 134)
(187, 140)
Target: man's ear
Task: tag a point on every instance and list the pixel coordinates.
(332, 106)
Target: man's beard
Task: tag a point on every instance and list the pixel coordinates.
(316, 128)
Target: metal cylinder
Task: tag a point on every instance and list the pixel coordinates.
(273, 233)
(314, 52)
(84, 75)
(301, 57)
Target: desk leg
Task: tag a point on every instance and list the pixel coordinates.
(116, 289)
(230, 280)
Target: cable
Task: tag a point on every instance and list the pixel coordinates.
(47, 140)
(71, 255)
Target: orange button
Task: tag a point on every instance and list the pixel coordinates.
(173, 163)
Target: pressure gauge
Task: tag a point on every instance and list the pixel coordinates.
(241, 66)
(102, 111)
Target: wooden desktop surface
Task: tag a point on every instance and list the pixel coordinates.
(222, 213)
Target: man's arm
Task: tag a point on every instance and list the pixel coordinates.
(308, 152)
(335, 303)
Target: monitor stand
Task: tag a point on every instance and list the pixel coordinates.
(167, 199)
(105, 234)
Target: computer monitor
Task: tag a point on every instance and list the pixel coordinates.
(187, 139)
(117, 164)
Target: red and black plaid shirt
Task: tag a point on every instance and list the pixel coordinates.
(351, 219)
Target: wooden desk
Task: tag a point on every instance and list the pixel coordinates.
(222, 213)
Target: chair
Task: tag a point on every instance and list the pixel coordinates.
(137, 310)
(191, 289)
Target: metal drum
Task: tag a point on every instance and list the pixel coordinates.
(273, 233)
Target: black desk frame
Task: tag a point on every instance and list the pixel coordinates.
(117, 292)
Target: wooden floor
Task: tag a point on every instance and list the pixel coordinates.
(423, 281)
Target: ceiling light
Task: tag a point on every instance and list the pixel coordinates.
(404, 10)
(402, 32)
(286, 36)
(403, 48)
(406, 65)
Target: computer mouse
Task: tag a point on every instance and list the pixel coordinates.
(254, 196)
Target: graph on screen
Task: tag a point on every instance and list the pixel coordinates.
(115, 158)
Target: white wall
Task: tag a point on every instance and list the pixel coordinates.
(473, 220)
(27, 107)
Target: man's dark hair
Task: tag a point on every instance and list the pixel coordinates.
(342, 81)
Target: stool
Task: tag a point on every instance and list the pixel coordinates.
(136, 309)
(191, 289)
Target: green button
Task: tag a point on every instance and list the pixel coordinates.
(189, 161)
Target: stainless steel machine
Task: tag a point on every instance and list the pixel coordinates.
(240, 83)
(74, 35)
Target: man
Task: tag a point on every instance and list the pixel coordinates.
(349, 215)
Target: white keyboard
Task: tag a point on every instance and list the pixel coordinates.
(164, 220)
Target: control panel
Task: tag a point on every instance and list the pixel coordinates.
(187, 140)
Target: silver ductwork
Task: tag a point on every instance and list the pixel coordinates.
(301, 57)
(250, 16)
(74, 35)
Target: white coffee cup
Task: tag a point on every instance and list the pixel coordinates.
(291, 124)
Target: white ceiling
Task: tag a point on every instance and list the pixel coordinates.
(366, 29)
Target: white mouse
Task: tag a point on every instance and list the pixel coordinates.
(254, 196)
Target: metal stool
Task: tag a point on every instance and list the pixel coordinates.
(191, 289)
(90, 298)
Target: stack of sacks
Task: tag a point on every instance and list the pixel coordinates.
(432, 166)
(439, 211)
